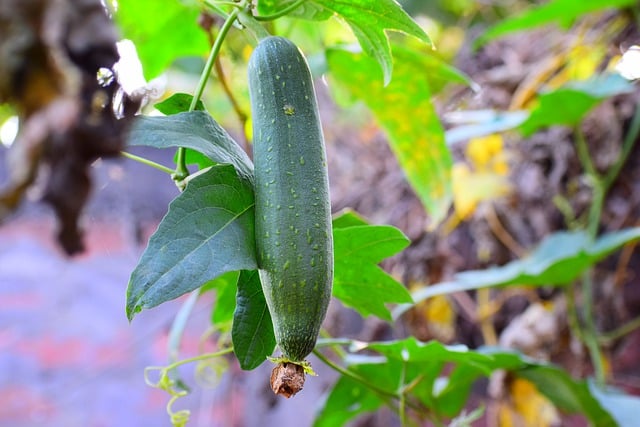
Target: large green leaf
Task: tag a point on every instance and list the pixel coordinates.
(368, 19)
(252, 331)
(409, 361)
(358, 281)
(348, 398)
(405, 110)
(208, 231)
(563, 12)
(196, 130)
(558, 260)
(162, 30)
(569, 104)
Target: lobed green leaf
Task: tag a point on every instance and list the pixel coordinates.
(358, 249)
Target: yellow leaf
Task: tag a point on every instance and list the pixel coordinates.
(440, 317)
(527, 407)
(487, 154)
(470, 188)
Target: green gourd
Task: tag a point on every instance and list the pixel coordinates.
(293, 211)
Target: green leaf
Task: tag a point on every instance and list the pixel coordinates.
(358, 281)
(368, 20)
(563, 12)
(569, 104)
(405, 110)
(225, 287)
(558, 260)
(162, 30)
(411, 350)
(180, 103)
(208, 231)
(196, 130)
(349, 398)
(348, 218)
(307, 10)
(252, 331)
(177, 103)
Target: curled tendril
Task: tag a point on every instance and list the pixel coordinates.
(179, 418)
(175, 389)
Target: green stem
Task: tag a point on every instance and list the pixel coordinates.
(583, 152)
(572, 315)
(627, 146)
(181, 171)
(147, 162)
(353, 376)
(590, 333)
(601, 185)
(618, 333)
(250, 23)
(198, 358)
(293, 6)
(402, 409)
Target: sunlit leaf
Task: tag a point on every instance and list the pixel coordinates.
(405, 110)
(177, 103)
(306, 10)
(562, 12)
(162, 30)
(208, 231)
(527, 405)
(369, 20)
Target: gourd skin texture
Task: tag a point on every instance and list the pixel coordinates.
(293, 212)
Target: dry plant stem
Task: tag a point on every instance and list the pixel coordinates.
(486, 318)
(625, 258)
(502, 234)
